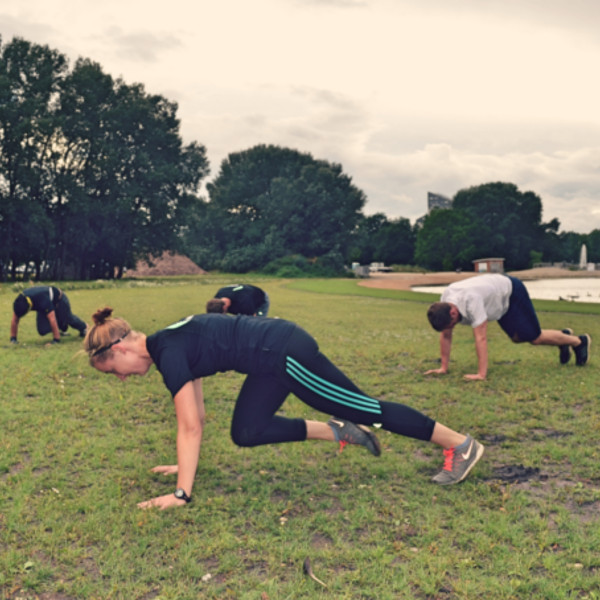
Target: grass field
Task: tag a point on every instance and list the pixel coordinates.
(76, 448)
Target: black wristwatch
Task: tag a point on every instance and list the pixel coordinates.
(180, 493)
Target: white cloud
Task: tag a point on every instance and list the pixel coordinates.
(410, 97)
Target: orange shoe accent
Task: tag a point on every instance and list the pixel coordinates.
(448, 459)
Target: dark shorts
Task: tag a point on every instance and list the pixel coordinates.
(520, 321)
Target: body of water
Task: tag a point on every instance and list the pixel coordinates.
(575, 289)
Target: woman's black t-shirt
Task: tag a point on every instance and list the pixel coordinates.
(202, 345)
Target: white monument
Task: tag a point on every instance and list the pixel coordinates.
(583, 257)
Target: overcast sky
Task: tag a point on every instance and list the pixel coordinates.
(409, 96)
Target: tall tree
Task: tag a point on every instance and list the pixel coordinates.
(268, 202)
(131, 175)
(395, 242)
(365, 236)
(30, 77)
(93, 172)
(448, 239)
(511, 221)
(593, 245)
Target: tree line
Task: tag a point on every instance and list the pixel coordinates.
(94, 176)
(93, 172)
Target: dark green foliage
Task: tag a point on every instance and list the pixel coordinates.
(296, 265)
(376, 238)
(491, 220)
(93, 173)
(448, 240)
(268, 202)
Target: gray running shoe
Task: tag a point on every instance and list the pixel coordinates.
(347, 432)
(564, 352)
(458, 464)
(582, 352)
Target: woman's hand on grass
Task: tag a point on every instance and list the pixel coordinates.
(165, 469)
(162, 502)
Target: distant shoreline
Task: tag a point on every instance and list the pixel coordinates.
(405, 281)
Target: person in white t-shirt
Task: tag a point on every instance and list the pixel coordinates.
(496, 297)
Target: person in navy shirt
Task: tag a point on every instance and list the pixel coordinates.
(53, 312)
(278, 358)
(240, 299)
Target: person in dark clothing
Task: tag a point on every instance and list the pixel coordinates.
(278, 358)
(240, 299)
(53, 312)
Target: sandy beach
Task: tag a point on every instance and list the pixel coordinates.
(404, 281)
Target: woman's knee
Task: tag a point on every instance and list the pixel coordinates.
(244, 437)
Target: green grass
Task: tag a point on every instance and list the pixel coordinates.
(76, 448)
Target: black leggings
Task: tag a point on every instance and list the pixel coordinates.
(312, 377)
(64, 318)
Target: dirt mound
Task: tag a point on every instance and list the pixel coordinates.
(168, 263)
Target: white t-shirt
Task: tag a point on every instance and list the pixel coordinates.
(480, 298)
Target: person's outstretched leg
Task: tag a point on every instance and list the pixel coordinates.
(320, 384)
(255, 423)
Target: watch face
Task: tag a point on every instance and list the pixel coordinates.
(181, 495)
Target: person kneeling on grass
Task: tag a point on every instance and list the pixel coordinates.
(53, 312)
(278, 357)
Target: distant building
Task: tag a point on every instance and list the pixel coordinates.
(488, 265)
(437, 201)
(434, 201)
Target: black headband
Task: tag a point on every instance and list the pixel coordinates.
(109, 346)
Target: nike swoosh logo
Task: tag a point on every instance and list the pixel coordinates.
(467, 454)
(340, 423)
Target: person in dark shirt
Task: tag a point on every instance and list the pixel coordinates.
(240, 299)
(53, 312)
(278, 358)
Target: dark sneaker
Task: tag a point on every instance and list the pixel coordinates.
(582, 352)
(458, 464)
(82, 332)
(564, 352)
(347, 432)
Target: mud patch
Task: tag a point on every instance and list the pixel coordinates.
(537, 434)
(492, 439)
(517, 474)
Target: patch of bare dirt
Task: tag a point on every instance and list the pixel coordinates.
(167, 264)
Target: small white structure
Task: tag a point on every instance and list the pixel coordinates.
(488, 265)
(379, 267)
(360, 270)
(583, 257)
